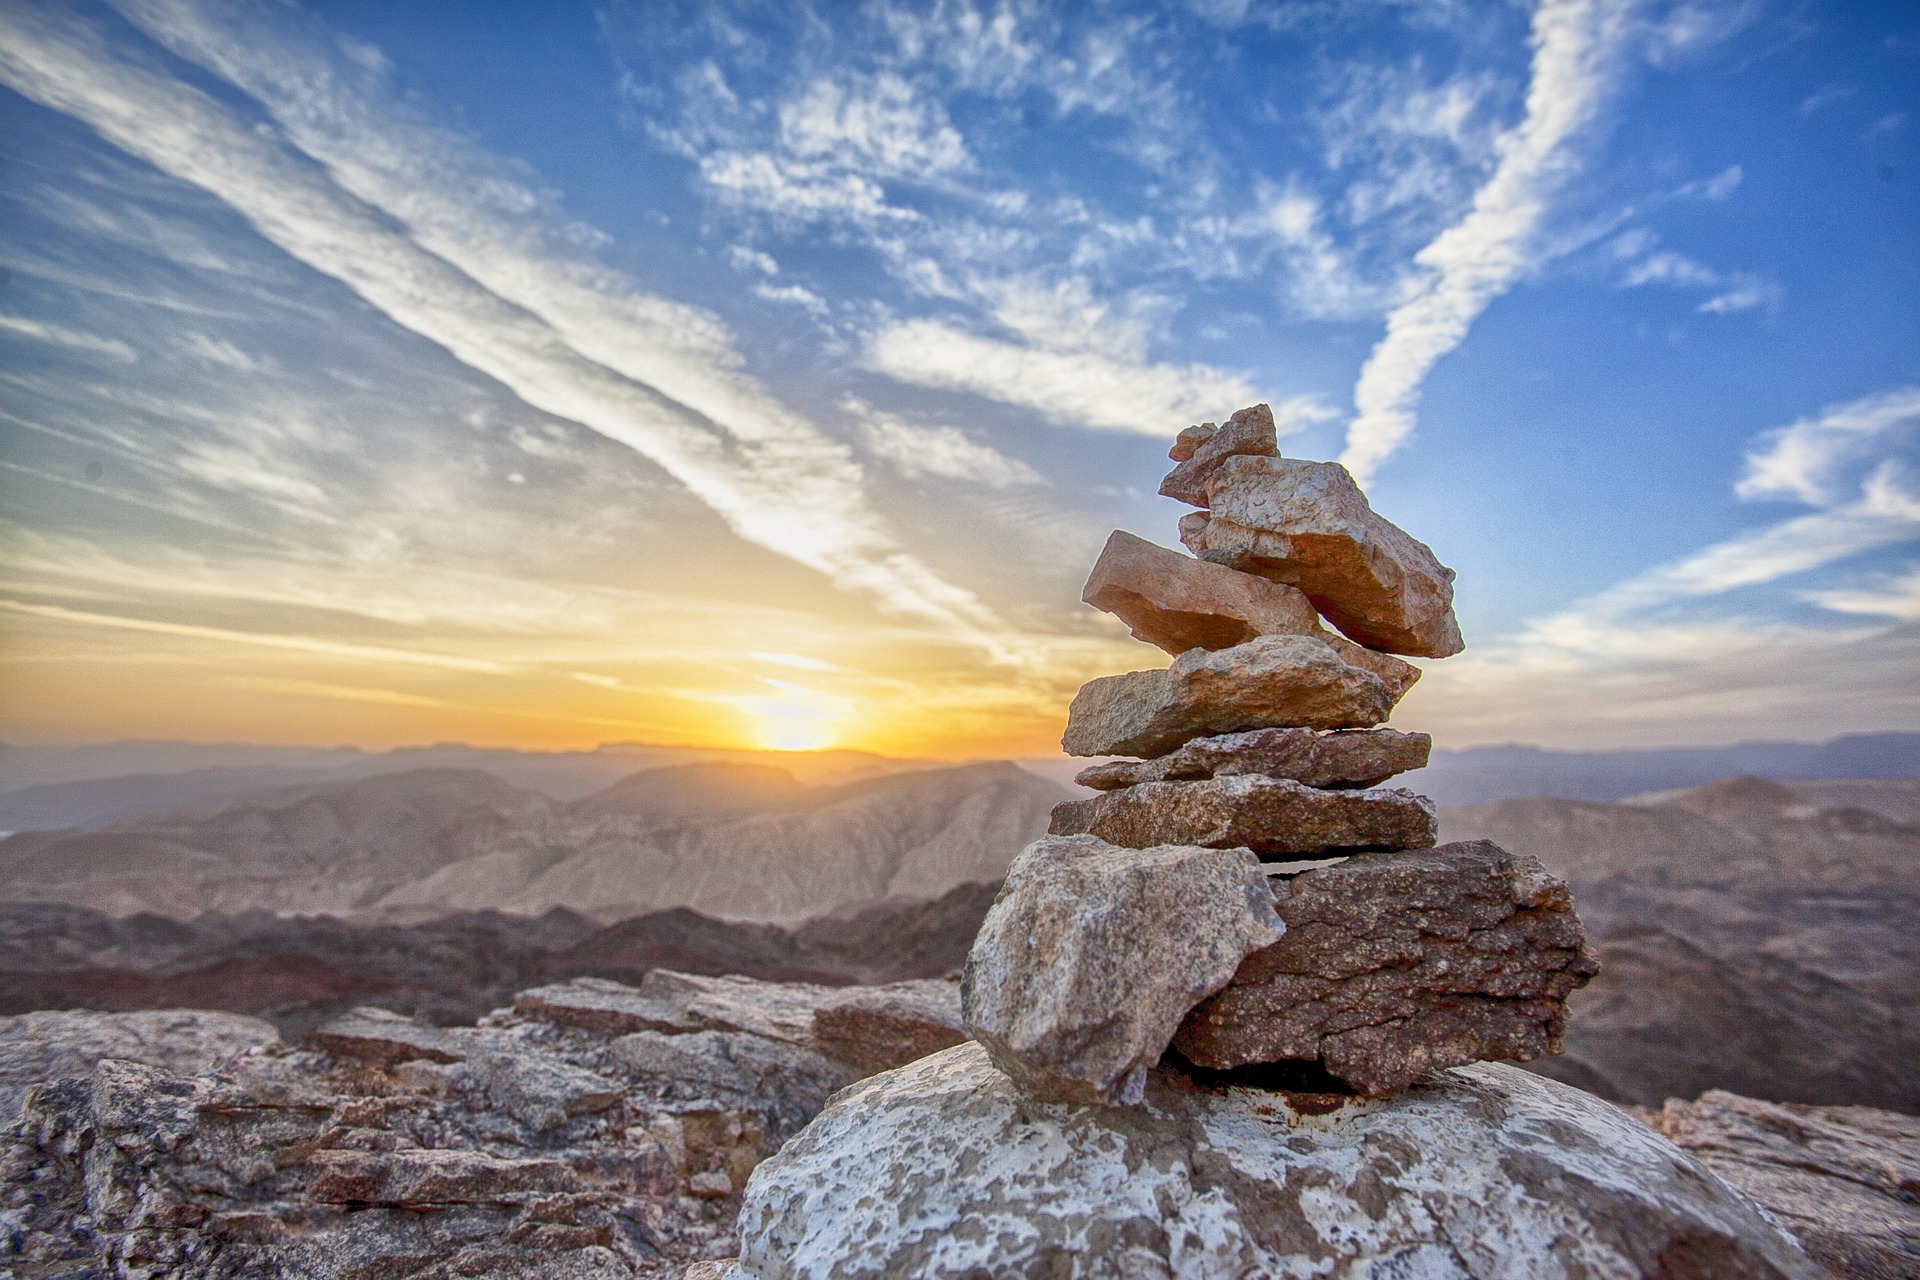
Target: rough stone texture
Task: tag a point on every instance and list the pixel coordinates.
(878, 1028)
(944, 1170)
(1348, 758)
(541, 1144)
(1271, 816)
(1091, 956)
(1308, 525)
(1270, 682)
(1179, 603)
(1191, 438)
(53, 1044)
(1845, 1180)
(1250, 431)
(386, 1039)
(1397, 963)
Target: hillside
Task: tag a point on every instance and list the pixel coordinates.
(738, 841)
(1757, 937)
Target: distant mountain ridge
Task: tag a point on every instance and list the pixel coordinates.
(1480, 775)
(736, 841)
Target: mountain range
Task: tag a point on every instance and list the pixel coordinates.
(735, 841)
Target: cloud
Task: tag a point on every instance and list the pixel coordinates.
(1822, 96)
(942, 451)
(1734, 291)
(1663, 648)
(1809, 459)
(301, 644)
(1576, 43)
(483, 268)
(61, 336)
(1071, 387)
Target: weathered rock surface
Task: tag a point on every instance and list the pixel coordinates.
(1250, 431)
(1308, 525)
(1269, 682)
(943, 1169)
(1091, 956)
(53, 1044)
(877, 1028)
(386, 1039)
(558, 1142)
(1394, 964)
(1271, 816)
(1179, 603)
(1845, 1180)
(1347, 758)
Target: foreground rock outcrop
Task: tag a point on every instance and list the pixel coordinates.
(596, 1132)
(944, 1169)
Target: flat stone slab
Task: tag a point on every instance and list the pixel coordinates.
(1345, 758)
(1271, 816)
(603, 1005)
(1200, 451)
(1092, 955)
(1269, 682)
(1394, 964)
(1179, 603)
(1306, 524)
(385, 1038)
(943, 1170)
(879, 1028)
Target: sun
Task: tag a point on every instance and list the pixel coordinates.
(793, 722)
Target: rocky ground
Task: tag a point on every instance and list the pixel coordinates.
(592, 1130)
(596, 1129)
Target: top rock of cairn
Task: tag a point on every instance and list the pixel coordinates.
(1245, 893)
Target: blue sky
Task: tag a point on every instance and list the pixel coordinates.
(559, 373)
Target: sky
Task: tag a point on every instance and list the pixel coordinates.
(770, 374)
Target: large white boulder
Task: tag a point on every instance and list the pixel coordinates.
(942, 1169)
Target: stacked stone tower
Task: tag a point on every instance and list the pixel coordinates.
(1244, 895)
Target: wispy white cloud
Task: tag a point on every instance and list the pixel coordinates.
(1071, 387)
(1733, 291)
(1810, 459)
(1664, 648)
(484, 270)
(1576, 46)
(943, 451)
(61, 336)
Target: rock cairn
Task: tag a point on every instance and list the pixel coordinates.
(1244, 891)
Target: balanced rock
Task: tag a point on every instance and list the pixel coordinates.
(1179, 603)
(1308, 525)
(943, 1170)
(1345, 758)
(1271, 816)
(1250, 431)
(1394, 964)
(1092, 955)
(1268, 682)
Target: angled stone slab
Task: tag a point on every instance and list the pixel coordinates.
(1306, 524)
(1179, 603)
(1345, 758)
(1248, 432)
(1092, 955)
(1271, 816)
(1269, 682)
(1395, 964)
(385, 1038)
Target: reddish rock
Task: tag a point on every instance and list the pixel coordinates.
(880, 1028)
(1271, 816)
(1306, 524)
(1269, 682)
(385, 1039)
(1345, 758)
(1394, 964)
(1250, 431)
